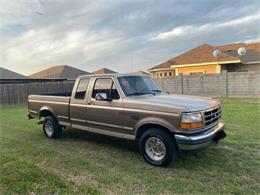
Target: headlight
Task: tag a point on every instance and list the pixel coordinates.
(191, 120)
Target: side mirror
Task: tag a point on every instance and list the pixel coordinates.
(101, 97)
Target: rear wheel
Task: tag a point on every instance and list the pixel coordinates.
(157, 147)
(51, 127)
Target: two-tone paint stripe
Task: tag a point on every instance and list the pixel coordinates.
(111, 108)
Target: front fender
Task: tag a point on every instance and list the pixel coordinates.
(155, 121)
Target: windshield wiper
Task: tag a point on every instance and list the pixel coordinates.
(139, 93)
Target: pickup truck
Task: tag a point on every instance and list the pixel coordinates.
(132, 107)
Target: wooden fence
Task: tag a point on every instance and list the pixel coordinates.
(17, 93)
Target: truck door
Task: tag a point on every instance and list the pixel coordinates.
(106, 112)
(78, 103)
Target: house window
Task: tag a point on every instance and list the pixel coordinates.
(160, 74)
(170, 74)
(165, 74)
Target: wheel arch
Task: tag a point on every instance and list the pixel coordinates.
(46, 111)
(154, 123)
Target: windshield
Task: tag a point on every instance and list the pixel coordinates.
(138, 85)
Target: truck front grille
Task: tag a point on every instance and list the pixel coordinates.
(212, 116)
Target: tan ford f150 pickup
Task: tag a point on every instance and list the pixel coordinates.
(132, 107)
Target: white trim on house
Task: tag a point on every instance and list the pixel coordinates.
(206, 63)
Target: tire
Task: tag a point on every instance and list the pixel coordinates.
(165, 150)
(51, 127)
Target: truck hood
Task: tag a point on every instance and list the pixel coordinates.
(184, 102)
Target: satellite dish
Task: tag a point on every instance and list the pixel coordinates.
(241, 51)
(217, 53)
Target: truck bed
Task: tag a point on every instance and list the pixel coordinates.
(59, 103)
(66, 94)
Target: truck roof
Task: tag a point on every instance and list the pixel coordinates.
(108, 75)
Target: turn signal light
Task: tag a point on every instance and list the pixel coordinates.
(191, 125)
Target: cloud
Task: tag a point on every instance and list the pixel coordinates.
(253, 40)
(176, 32)
(121, 35)
(41, 47)
(188, 30)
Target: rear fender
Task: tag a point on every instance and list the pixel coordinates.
(46, 111)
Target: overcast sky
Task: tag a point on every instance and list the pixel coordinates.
(121, 35)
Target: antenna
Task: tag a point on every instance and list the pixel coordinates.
(216, 53)
(241, 51)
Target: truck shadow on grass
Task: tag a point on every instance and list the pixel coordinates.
(79, 135)
(188, 159)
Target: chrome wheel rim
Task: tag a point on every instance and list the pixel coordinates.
(49, 129)
(155, 148)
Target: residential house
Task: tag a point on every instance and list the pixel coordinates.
(8, 74)
(200, 60)
(59, 72)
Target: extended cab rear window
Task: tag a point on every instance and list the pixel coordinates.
(82, 88)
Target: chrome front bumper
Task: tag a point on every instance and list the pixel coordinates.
(201, 140)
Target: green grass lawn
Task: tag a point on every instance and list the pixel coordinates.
(86, 163)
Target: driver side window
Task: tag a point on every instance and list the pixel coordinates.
(105, 86)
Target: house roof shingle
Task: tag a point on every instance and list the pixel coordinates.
(103, 71)
(140, 72)
(8, 74)
(58, 72)
(203, 54)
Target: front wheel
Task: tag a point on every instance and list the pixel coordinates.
(157, 147)
(51, 127)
